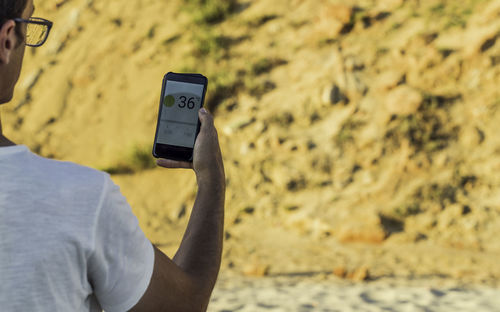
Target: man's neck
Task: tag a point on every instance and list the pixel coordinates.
(3, 140)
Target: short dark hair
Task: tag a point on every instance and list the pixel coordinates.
(10, 9)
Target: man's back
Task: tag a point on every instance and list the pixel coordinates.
(67, 238)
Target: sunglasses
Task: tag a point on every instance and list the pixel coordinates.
(37, 30)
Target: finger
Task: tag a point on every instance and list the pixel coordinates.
(174, 164)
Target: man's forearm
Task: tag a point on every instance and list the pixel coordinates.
(200, 251)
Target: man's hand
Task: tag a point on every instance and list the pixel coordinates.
(207, 158)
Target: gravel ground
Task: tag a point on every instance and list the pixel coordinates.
(299, 294)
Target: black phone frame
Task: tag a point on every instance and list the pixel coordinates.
(174, 152)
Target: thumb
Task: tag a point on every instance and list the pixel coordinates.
(206, 118)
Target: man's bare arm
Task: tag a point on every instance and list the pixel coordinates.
(201, 249)
(186, 283)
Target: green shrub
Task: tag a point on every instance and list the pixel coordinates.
(346, 133)
(211, 11)
(428, 130)
(221, 86)
(209, 44)
(265, 65)
(140, 158)
(407, 210)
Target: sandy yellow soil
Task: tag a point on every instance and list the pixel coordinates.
(359, 137)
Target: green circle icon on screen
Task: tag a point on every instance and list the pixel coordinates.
(169, 101)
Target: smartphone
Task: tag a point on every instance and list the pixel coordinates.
(182, 96)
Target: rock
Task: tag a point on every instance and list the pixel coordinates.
(453, 41)
(341, 12)
(480, 39)
(403, 100)
(450, 216)
(470, 137)
(256, 269)
(320, 229)
(360, 274)
(389, 80)
(475, 40)
(355, 86)
(334, 19)
(362, 229)
(340, 272)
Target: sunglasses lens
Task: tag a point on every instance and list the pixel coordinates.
(36, 34)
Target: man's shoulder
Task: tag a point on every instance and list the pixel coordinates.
(68, 174)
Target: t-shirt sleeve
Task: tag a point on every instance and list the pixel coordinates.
(121, 264)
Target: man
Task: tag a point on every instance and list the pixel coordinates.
(68, 238)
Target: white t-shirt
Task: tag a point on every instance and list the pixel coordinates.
(68, 238)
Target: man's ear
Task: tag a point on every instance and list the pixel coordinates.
(8, 41)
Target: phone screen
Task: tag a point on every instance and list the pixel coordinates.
(179, 113)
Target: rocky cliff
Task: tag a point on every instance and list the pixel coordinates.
(357, 135)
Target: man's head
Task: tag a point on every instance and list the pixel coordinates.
(12, 45)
